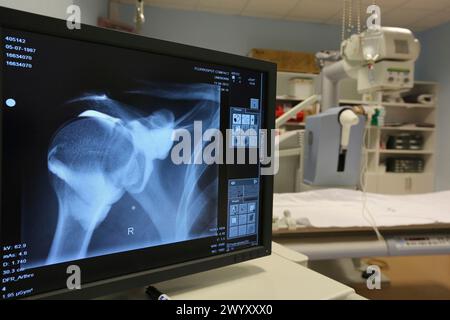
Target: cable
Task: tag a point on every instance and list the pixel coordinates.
(344, 20)
(359, 15)
(367, 215)
(350, 17)
(351, 14)
(347, 26)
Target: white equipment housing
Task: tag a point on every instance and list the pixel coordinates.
(380, 60)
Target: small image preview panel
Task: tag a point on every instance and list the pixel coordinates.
(243, 199)
(244, 128)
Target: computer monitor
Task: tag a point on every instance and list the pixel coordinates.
(99, 177)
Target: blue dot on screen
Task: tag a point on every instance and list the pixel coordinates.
(11, 103)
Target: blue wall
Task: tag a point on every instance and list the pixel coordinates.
(434, 65)
(234, 34)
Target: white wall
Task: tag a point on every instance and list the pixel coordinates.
(232, 33)
(90, 9)
(52, 8)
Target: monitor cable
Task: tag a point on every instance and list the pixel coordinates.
(155, 294)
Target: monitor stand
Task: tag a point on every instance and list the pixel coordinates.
(281, 276)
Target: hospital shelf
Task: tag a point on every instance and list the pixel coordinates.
(407, 128)
(380, 181)
(355, 102)
(283, 79)
(388, 151)
(362, 102)
(289, 98)
(402, 174)
(295, 124)
(408, 105)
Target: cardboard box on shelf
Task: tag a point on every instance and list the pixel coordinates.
(289, 61)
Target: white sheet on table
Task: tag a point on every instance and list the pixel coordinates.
(343, 208)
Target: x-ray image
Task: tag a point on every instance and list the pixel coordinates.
(116, 186)
(115, 160)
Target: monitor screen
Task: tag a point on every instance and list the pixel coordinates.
(105, 160)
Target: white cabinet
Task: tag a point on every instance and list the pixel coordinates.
(399, 183)
(422, 183)
(403, 118)
(371, 183)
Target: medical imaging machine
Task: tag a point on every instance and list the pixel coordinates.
(379, 60)
(328, 154)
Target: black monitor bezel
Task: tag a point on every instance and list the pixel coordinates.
(24, 21)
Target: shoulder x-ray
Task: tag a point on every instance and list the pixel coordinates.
(112, 174)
